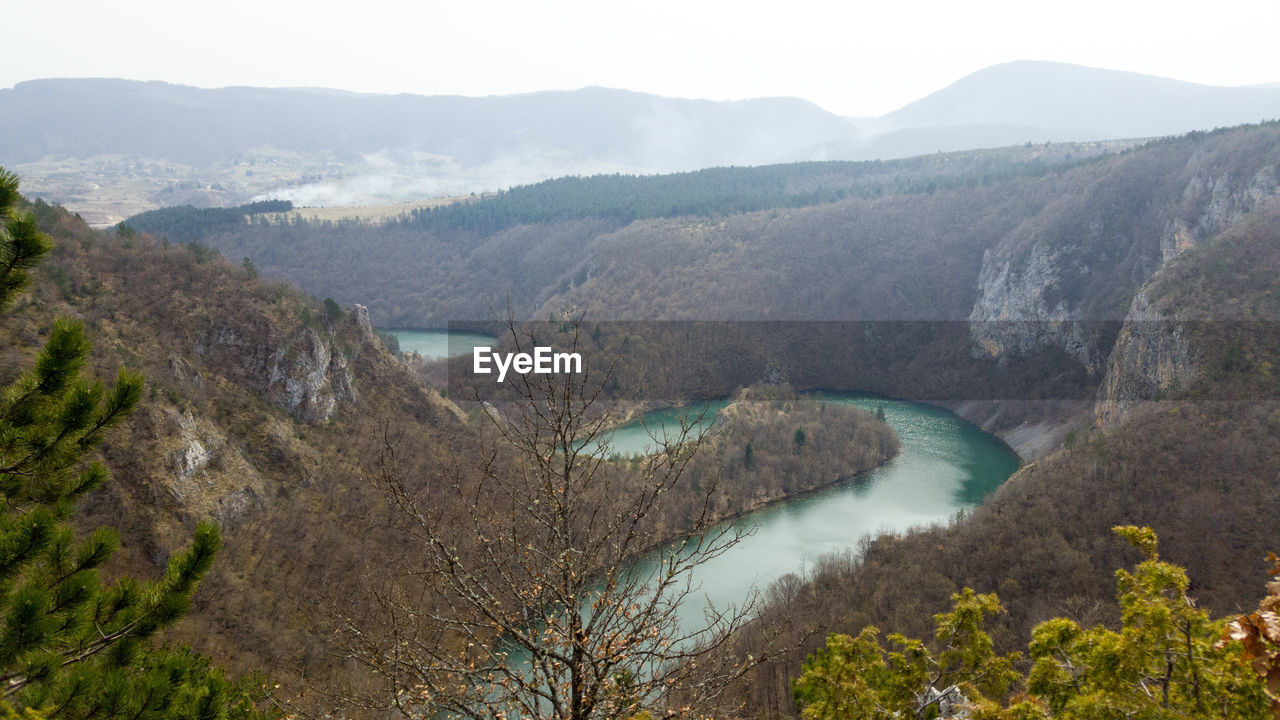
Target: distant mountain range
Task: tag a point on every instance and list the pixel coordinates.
(121, 146)
(1042, 101)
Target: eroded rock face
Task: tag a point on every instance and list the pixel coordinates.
(309, 377)
(1223, 199)
(360, 314)
(1152, 355)
(196, 447)
(1041, 286)
(307, 374)
(206, 476)
(1014, 312)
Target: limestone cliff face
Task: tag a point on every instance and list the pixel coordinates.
(1014, 312)
(1221, 198)
(306, 372)
(206, 475)
(309, 377)
(1152, 355)
(1058, 279)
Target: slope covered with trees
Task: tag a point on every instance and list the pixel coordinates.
(1195, 460)
(1168, 659)
(269, 411)
(1143, 280)
(258, 404)
(72, 647)
(458, 261)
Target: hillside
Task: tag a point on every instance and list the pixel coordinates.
(262, 411)
(1039, 101)
(118, 147)
(272, 413)
(1143, 283)
(1025, 258)
(1195, 459)
(538, 241)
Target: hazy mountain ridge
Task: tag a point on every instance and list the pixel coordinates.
(116, 147)
(1089, 103)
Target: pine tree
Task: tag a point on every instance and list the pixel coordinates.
(69, 646)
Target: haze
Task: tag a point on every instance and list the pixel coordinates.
(851, 60)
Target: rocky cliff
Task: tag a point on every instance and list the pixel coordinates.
(1078, 276)
(1064, 277)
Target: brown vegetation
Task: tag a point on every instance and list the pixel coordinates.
(1199, 466)
(770, 444)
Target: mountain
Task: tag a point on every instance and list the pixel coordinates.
(313, 146)
(1036, 252)
(1195, 459)
(261, 411)
(1041, 101)
(111, 148)
(201, 127)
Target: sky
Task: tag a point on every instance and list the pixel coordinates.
(852, 58)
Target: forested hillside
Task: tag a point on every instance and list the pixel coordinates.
(1018, 255)
(1140, 286)
(262, 411)
(535, 242)
(272, 414)
(1142, 282)
(1196, 459)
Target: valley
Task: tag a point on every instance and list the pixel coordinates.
(1101, 319)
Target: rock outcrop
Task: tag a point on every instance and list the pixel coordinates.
(309, 377)
(1152, 355)
(204, 474)
(1074, 278)
(306, 373)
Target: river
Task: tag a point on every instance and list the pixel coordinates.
(438, 344)
(944, 465)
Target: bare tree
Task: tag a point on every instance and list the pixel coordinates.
(525, 599)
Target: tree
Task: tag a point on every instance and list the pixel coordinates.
(522, 596)
(855, 677)
(70, 647)
(1258, 634)
(332, 310)
(1165, 662)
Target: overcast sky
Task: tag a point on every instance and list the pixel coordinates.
(852, 58)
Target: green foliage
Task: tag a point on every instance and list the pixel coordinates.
(859, 678)
(187, 223)
(332, 310)
(390, 341)
(1163, 663)
(202, 253)
(21, 243)
(71, 647)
